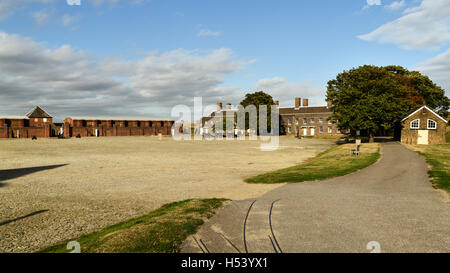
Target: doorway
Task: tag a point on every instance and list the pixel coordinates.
(422, 137)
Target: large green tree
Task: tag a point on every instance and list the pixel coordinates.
(372, 98)
(257, 99)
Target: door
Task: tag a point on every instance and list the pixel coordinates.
(312, 131)
(422, 137)
(305, 131)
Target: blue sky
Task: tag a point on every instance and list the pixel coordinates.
(136, 58)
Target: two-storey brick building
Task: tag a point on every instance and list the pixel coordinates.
(305, 120)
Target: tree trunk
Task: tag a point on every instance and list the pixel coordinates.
(371, 137)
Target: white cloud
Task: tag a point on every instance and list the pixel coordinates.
(68, 81)
(396, 5)
(423, 27)
(370, 3)
(206, 32)
(285, 91)
(41, 17)
(68, 19)
(438, 69)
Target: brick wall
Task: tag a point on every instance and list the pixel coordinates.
(134, 128)
(410, 136)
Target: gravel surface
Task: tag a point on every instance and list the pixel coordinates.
(53, 189)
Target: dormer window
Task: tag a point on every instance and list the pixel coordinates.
(431, 124)
(415, 124)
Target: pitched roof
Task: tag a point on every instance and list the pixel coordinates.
(426, 107)
(38, 112)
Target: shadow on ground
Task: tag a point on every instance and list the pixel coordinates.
(15, 173)
(22, 217)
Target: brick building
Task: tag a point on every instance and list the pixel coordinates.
(115, 126)
(305, 120)
(424, 126)
(36, 123)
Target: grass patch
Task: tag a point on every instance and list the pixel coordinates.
(328, 137)
(161, 231)
(333, 162)
(447, 137)
(438, 157)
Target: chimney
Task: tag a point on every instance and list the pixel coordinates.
(219, 106)
(228, 106)
(297, 102)
(329, 103)
(305, 102)
(277, 103)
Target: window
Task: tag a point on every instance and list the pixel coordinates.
(432, 124)
(312, 120)
(330, 121)
(289, 130)
(305, 121)
(45, 120)
(296, 121)
(289, 121)
(330, 130)
(321, 129)
(321, 120)
(415, 124)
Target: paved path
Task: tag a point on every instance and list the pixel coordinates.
(391, 202)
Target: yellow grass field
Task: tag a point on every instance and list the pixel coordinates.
(56, 189)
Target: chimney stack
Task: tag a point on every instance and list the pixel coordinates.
(219, 106)
(228, 106)
(277, 103)
(305, 102)
(297, 102)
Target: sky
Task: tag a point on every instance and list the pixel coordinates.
(143, 57)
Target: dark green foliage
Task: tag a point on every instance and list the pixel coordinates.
(372, 98)
(257, 99)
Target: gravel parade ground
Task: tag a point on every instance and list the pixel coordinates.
(56, 189)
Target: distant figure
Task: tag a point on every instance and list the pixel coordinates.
(34, 138)
(78, 136)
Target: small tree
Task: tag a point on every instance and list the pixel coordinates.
(257, 99)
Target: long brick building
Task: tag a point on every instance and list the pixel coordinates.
(305, 120)
(38, 123)
(116, 126)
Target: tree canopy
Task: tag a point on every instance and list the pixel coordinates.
(371, 98)
(257, 99)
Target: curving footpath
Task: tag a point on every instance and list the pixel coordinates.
(391, 202)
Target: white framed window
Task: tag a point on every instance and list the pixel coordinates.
(312, 120)
(321, 120)
(305, 121)
(321, 129)
(415, 124)
(330, 130)
(289, 130)
(431, 124)
(289, 121)
(296, 121)
(45, 119)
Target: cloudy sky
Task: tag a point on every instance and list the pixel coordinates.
(142, 57)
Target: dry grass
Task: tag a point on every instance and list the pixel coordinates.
(438, 156)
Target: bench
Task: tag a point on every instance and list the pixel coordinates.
(355, 151)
